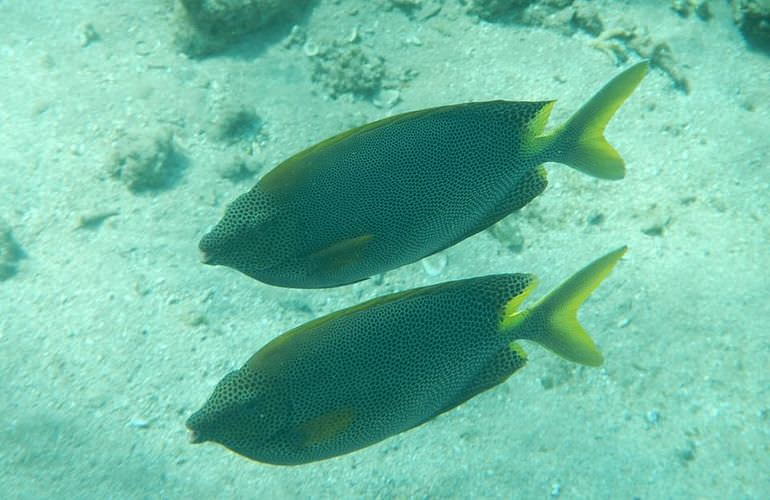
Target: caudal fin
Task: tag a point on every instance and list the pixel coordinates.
(553, 322)
(580, 142)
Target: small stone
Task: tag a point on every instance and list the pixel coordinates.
(387, 98)
(354, 35)
(195, 319)
(559, 375)
(595, 219)
(406, 4)
(87, 34)
(10, 252)
(413, 40)
(655, 221)
(687, 453)
(685, 7)
(240, 168)
(493, 9)
(297, 37)
(508, 233)
(703, 11)
(435, 264)
(139, 423)
(94, 220)
(310, 48)
(297, 305)
(655, 229)
(652, 417)
(681, 7)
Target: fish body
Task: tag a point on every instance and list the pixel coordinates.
(352, 378)
(394, 191)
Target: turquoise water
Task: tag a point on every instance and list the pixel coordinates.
(118, 152)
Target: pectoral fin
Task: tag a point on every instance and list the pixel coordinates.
(341, 253)
(327, 426)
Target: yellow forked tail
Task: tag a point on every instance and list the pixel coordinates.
(580, 142)
(553, 322)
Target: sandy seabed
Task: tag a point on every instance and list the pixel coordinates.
(112, 332)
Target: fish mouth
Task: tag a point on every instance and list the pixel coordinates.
(195, 437)
(205, 246)
(205, 250)
(206, 258)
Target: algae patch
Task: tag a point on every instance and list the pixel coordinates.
(343, 69)
(147, 161)
(753, 19)
(208, 26)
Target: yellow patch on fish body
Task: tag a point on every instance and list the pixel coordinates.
(394, 191)
(357, 376)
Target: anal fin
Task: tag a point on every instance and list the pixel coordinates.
(529, 187)
(505, 363)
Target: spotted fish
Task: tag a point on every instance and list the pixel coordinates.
(357, 376)
(394, 191)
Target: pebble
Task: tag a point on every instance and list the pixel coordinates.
(387, 98)
(87, 34)
(652, 416)
(139, 423)
(311, 49)
(434, 265)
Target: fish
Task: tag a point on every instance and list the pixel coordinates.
(354, 377)
(394, 191)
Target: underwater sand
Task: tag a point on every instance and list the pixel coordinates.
(112, 334)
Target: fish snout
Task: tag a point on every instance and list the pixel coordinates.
(195, 437)
(206, 257)
(207, 247)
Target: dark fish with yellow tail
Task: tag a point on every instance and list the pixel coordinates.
(389, 193)
(355, 377)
